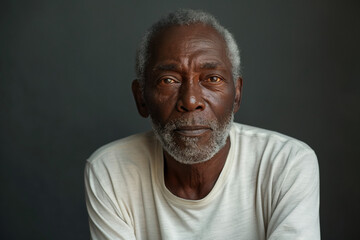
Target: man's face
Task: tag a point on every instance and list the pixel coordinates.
(189, 91)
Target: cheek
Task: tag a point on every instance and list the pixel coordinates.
(160, 105)
(221, 102)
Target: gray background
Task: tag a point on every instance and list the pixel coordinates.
(65, 74)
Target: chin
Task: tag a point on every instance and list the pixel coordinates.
(193, 150)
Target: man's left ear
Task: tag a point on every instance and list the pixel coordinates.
(238, 89)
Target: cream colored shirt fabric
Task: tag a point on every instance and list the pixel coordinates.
(268, 189)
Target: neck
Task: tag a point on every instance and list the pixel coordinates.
(194, 181)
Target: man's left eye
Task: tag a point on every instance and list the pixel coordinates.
(213, 79)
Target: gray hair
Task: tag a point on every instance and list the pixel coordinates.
(186, 17)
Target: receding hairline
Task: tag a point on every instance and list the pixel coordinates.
(156, 34)
(157, 37)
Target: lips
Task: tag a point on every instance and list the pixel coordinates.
(192, 131)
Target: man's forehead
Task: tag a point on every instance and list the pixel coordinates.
(176, 66)
(201, 42)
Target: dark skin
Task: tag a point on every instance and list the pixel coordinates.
(189, 76)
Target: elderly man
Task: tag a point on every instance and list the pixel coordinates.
(199, 175)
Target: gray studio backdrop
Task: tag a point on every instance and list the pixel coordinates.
(65, 74)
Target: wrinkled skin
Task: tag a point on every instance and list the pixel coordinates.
(189, 77)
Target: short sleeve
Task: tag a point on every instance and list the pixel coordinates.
(295, 213)
(104, 219)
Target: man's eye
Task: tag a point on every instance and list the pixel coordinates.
(213, 79)
(168, 80)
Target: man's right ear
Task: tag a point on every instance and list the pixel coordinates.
(139, 99)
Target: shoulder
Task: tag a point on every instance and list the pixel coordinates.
(284, 173)
(278, 162)
(261, 139)
(133, 145)
(130, 155)
(273, 153)
(118, 174)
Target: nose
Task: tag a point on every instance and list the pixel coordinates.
(190, 98)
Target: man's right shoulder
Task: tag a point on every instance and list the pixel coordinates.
(134, 147)
(115, 172)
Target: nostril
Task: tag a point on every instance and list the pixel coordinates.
(183, 108)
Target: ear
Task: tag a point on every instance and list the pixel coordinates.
(139, 99)
(238, 90)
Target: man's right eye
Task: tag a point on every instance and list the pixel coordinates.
(168, 80)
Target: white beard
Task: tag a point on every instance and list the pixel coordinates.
(193, 153)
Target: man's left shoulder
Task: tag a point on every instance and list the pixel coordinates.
(271, 142)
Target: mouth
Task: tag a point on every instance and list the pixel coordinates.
(192, 131)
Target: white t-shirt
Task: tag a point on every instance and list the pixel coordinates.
(268, 189)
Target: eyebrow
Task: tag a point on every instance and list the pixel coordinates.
(165, 67)
(209, 65)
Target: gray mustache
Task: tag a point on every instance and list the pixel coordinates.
(188, 122)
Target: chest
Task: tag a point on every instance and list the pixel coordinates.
(228, 216)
